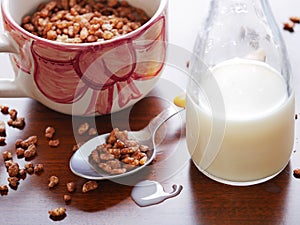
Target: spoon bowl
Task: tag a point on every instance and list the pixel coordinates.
(79, 162)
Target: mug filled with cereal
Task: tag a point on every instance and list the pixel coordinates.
(84, 57)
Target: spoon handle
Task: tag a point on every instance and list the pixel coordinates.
(162, 117)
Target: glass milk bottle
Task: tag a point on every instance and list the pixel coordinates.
(240, 116)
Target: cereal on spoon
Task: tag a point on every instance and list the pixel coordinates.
(119, 154)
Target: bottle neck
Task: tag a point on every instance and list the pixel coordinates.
(238, 6)
(236, 10)
(235, 28)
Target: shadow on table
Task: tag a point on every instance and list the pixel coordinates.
(217, 203)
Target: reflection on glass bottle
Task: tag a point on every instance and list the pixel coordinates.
(239, 28)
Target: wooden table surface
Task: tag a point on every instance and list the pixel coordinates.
(202, 201)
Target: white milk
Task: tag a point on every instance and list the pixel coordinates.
(259, 132)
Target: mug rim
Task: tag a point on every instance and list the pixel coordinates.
(6, 13)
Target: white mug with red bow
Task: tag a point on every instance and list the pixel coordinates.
(88, 78)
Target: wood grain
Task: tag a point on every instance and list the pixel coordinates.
(202, 201)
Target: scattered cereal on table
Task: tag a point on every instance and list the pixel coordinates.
(2, 140)
(20, 152)
(296, 173)
(30, 152)
(13, 114)
(8, 163)
(3, 189)
(77, 146)
(32, 140)
(289, 26)
(4, 109)
(180, 100)
(29, 168)
(49, 132)
(13, 181)
(54, 143)
(89, 186)
(93, 131)
(6, 155)
(53, 181)
(83, 128)
(67, 198)
(71, 186)
(2, 129)
(295, 19)
(57, 212)
(22, 174)
(13, 169)
(38, 168)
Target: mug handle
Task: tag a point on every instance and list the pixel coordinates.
(9, 87)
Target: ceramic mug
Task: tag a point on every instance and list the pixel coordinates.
(87, 78)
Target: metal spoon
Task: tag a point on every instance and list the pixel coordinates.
(79, 163)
